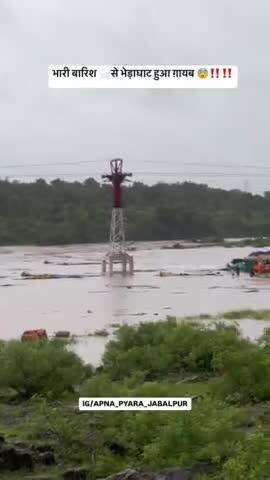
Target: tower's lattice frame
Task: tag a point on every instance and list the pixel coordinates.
(117, 231)
(117, 252)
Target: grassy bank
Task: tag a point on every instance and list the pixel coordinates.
(227, 430)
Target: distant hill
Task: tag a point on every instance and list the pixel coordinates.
(63, 212)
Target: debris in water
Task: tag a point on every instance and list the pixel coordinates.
(62, 334)
(47, 276)
(147, 270)
(132, 286)
(99, 333)
(34, 335)
(67, 264)
(174, 246)
(193, 274)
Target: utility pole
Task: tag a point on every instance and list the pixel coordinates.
(117, 252)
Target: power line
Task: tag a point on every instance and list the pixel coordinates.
(81, 162)
(24, 165)
(144, 173)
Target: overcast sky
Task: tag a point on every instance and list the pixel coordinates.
(153, 130)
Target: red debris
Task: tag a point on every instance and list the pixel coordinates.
(34, 335)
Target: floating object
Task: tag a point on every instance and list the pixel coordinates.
(34, 335)
(99, 333)
(260, 252)
(62, 334)
(174, 246)
(46, 276)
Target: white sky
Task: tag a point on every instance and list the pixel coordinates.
(153, 131)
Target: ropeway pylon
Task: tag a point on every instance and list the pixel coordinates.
(117, 231)
(117, 252)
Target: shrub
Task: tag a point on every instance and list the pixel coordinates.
(46, 368)
(246, 377)
(158, 350)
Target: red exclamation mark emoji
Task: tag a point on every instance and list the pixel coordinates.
(217, 72)
(230, 72)
(212, 73)
(224, 72)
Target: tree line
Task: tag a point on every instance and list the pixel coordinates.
(63, 212)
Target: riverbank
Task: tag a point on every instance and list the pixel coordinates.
(226, 434)
(79, 299)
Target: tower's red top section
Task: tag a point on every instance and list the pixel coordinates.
(117, 177)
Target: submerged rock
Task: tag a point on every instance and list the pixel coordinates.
(99, 333)
(62, 334)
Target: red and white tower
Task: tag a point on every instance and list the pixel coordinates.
(117, 252)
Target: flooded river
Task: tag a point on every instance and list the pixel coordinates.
(94, 302)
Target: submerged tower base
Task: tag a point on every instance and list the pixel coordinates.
(117, 253)
(113, 259)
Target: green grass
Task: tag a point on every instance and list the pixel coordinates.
(242, 314)
(166, 359)
(229, 315)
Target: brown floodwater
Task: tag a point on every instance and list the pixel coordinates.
(95, 302)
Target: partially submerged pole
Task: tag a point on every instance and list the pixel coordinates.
(117, 252)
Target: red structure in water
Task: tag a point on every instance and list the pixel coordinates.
(117, 177)
(117, 252)
(34, 335)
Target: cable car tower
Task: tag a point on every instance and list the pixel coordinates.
(117, 252)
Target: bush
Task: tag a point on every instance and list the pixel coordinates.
(246, 377)
(207, 434)
(45, 368)
(158, 350)
(250, 460)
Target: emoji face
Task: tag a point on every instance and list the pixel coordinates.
(203, 73)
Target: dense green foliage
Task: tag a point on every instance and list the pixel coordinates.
(169, 348)
(63, 212)
(226, 376)
(43, 368)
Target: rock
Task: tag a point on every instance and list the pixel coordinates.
(169, 474)
(62, 334)
(14, 458)
(47, 458)
(76, 474)
(100, 333)
(19, 444)
(46, 447)
(116, 448)
(2, 440)
(178, 474)
(38, 477)
(130, 474)
(187, 473)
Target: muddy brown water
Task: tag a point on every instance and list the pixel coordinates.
(94, 302)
